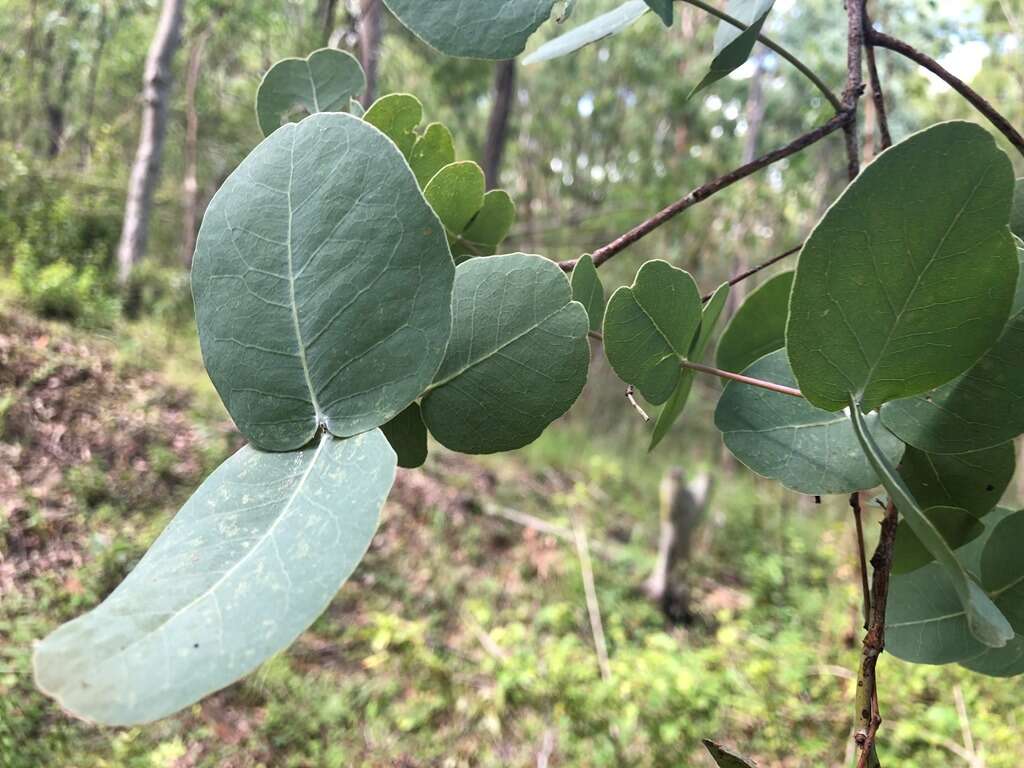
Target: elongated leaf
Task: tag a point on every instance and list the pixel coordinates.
(787, 439)
(984, 619)
(957, 526)
(432, 151)
(588, 290)
(676, 404)
(481, 29)
(249, 562)
(758, 327)
(324, 81)
(408, 437)
(649, 326)
(725, 757)
(980, 409)
(1017, 214)
(909, 277)
(518, 355)
(732, 45)
(598, 28)
(397, 116)
(303, 290)
(973, 481)
(664, 10)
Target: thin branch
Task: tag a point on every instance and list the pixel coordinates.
(703, 192)
(877, 95)
(754, 270)
(882, 40)
(874, 642)
(767, 42)
(590, 593)
(630, 395)
(769, 385)
(854, 82)
(859, 526)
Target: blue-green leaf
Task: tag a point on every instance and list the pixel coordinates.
(324, 81)
(758, 327)
(588, 290)
(598, 28)
(733, 45)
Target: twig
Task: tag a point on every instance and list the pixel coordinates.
(859, 525)
(882, 40)
(548, 528)
(703, 192)
(590, 593)
(754, 270)
(767, 42)
(965, 726)
(769, 385)
(877, 95)
(854, 82)
(630, 395)
(874, 642)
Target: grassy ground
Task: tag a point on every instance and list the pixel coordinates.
(463, 639)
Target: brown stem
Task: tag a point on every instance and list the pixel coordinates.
(882, 40)
(865, 588)
(703, 192)
(854, 82)
(738, 278)
(877, 96)
(631, 396)
(769, 385)
(874, 642)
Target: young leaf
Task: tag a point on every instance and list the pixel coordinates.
(488, 228)
(787, 439)
(726, 758)
(984, 619)
(650, 325)
(302, 292)
(588, 290)
(598, 28)
(758, 327)
(408, 437)
(397, 116)
(732, 45)
(517, 359)
(664, 10)
(973, 481)
(481, 29)
(979, 409)
(432, 151)
(324, 81)
(248, 563)
(456, 193)
(675, 405)
(957, 526)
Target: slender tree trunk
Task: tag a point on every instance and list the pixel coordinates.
(369, 46)
(190, 184)
(146, 168)
(103, 34)
(497, 126)
(326, 13)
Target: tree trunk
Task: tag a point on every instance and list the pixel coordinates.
(326, 12)
(103, 34)
(497, 126)
(682, 510)
(190, 184)
(146, 168)
(369, 46)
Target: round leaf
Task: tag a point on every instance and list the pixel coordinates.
(972, 481)
(489, 227)
(787, 439)
(758, 327)
(481, 29)
(247, 564)
(957, 526)
(650, 325)
(432, 151)
(324, 81)
(322, 283)
(909, 277)
(397, 116)
(518, 355)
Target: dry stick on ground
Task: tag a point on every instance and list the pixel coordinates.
(882, 40)
(705, 191)
(874, 642)
(877, 96)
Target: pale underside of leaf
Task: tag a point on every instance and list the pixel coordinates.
(598, 28)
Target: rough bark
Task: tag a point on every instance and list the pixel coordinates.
(369, 46)
(146, 167)
(497, 125)
(190, 183)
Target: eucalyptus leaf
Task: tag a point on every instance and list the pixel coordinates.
(649, 326)
(1017, 213)
(397, 116)
(733, 45)
(974, 481)
(408, 437)
(489, 227)
(303, 289)
(909, 277)
(984, 619)
(480, 29)
(957, 527)
(598, 28)
(324, 81)
(247, 564)
(664, 10)
(676, 404)
(456, 193)
(787, 439)
(588, 290)
(432, 151)
(758, 327)
(517, 359)
(725, 757)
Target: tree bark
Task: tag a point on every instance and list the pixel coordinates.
(146, 168)
(369, 46)
(190, 183)
(497, 125)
